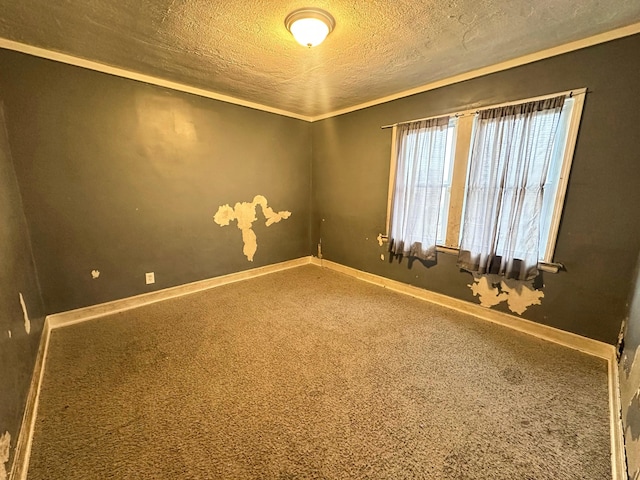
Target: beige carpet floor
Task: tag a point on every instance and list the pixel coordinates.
(310, 374)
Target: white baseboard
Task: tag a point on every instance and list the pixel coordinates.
(22, 453)
(618, 456)
(566, 339)
(71, 317)
(315, 261)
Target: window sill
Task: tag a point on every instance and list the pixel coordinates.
(542, 266)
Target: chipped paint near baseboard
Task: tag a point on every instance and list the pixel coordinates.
(630, 409)
(618, 460)
(5, 449)
(629, 378)
(494, 289)
(245, 214)
(23, 444)
(25, 314)
(632, 435)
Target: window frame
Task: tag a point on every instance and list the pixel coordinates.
(463, 137)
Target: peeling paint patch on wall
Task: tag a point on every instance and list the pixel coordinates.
(494, 289)
(27, 322)
(632, 436)
(629, 372)
(245, 214)
(630, 400)
(488, 291)
(633, 420)
(5, 446)
(95, 274)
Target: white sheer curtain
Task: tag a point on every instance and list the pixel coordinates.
(509, 163)
(418, 188)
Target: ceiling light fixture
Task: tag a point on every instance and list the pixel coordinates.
(310, 26)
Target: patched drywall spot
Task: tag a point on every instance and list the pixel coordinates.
(494, 289)
(27, 322)
(245, 214)
(5, 446)
(95, 274)
(380, 239)
(382, 257)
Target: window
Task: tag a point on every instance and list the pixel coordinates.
(421, 186)
(499, 185)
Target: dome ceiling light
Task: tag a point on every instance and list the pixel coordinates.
(310, 26)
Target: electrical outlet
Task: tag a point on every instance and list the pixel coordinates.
(150, 277)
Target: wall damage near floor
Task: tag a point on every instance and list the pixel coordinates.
(5, 446)
(21, 309)
(630, 400)
(245, 214)
(495, 289)
(630, 382)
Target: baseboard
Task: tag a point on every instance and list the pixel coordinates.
(566, 339)
(22, 453)
(71, 317)
(618, 456)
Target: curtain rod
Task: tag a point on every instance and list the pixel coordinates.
(569, 93)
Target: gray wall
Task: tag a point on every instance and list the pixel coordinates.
(630, 381)
(18, 349)
(600, 230)
(125, 178)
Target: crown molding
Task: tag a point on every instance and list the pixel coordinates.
(140, 77)
(498, 67)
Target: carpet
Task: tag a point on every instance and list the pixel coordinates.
(310, 374)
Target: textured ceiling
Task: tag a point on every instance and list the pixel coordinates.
(241, 48)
